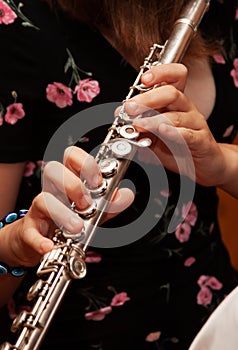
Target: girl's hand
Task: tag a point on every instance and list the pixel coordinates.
(181, 137)
(26, 240)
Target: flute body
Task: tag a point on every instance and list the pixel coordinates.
(66, 261)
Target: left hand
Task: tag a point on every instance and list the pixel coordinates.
(179, 127)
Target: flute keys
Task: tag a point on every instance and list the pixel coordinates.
(20, 320)
(108, 167)
(77, 267)
(35, 289)
(88, 212)
(128, 132)
(121, 148)
(76, 237)
(98, 191)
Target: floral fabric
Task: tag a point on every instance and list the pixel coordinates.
(158, 291)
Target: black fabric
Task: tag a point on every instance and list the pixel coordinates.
(163, 292)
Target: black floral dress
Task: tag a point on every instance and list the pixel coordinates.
(157, 290)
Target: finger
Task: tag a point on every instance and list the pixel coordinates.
(64, 184)
(80, 162)
(173, 74)
(122, 199)
(164, 97)
(194, 139)
(46, 206)
(193, 120)
(37, 245)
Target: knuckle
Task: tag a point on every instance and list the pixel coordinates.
(50, 166)
(191, 138)
(177, 121)
(173, 93)
(183, 69)
(68, 151)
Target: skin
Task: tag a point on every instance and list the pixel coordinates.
(215, 164)
(26, 240)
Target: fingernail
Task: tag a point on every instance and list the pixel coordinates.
(46, 246)
(147, 77)
(131, 107)
(73, 223)
(75, 220)
(84, 201)
(97, 179)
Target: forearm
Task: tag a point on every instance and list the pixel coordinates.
(229, 177)
(8, 282)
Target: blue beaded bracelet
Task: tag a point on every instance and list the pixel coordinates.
(11, 217)
(17, 271)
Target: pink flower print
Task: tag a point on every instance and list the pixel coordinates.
(119, 299)
(153, 336)
(228, 131)
(87, 89)
(7, 16)
(236, 16)
(202, 281)
(189, 261)
(29, 169)
(183, 232)
(204, 296)
(14, 112)
(59, 94)
(92, 257)
(40, 163)
(190, 213)
(99, 314)
(234, 72)
(213, 283)
(209, 281)
(219, 59)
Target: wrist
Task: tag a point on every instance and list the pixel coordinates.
(9, 227)
(229, 181)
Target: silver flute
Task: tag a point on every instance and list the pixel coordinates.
(66, 261)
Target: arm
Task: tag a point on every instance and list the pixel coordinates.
(10, 175)
(229, 182)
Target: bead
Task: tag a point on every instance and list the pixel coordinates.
(9, 218)
(3, 269)
(22, 212)
(17, 271)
